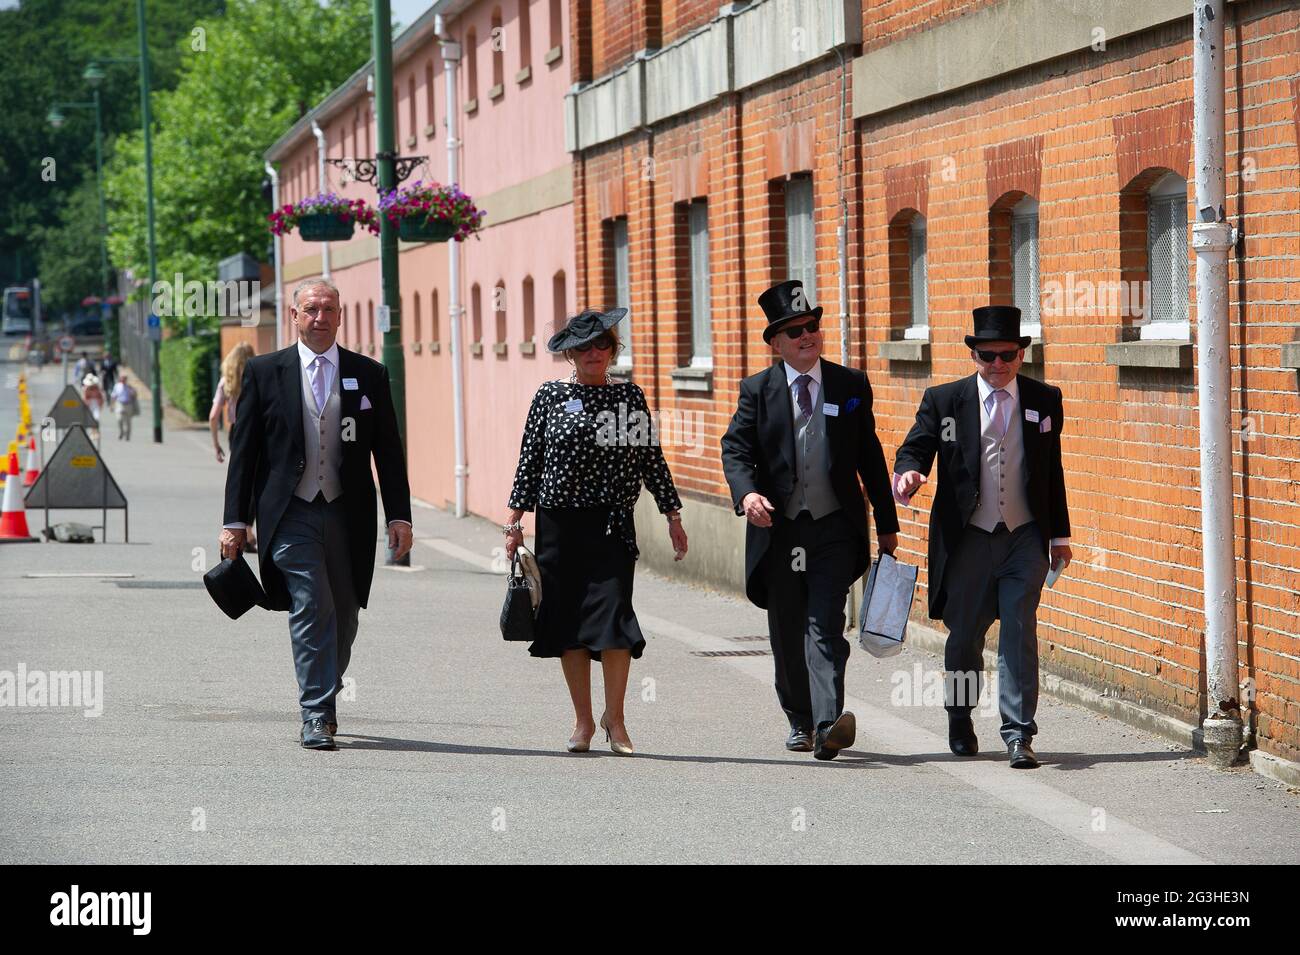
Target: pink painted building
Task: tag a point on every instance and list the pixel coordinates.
(515, 278)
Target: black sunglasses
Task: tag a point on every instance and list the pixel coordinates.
(602, 342)
(988, 357)
(798, 330)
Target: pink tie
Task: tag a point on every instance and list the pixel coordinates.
(999, 425)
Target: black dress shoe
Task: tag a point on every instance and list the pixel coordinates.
(840, 735)
(799, 740)
(961, 736)
(316, 734)
(1021, 755)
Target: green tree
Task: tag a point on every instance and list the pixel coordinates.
(70, 256)
(260, 67)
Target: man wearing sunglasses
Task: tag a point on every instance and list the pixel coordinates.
(999, 522)
(802, 436)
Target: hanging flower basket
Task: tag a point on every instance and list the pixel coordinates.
(324, 218)
(413, 229)
(428, 212)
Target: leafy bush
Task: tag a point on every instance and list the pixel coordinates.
(186, 365)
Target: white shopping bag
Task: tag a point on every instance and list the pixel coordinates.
(886, 604)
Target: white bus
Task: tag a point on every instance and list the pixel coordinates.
(17, 316)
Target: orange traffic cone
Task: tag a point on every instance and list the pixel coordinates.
(13, 520)
(33, 465)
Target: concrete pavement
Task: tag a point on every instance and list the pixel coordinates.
(452, 748)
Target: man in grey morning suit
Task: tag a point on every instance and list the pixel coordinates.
(311, 416)
(802, 436)
(999, 516)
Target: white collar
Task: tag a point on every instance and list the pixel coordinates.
(985, 389)
(815, 373)
(307, 356)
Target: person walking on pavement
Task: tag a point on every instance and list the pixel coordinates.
(92, 393)
(108, 373)
(998, 511)
(311, 418)
(224, 405)
(126, 403)
(802, 436)
(583, 480)
(85, 366)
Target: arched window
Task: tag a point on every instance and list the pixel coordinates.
(435, 318)
(1167, 253)
(559, 304)
(530, 331)
(498, 53)
(908, 275)
(416, 325)
(471, 65)
(343, 325)
(499, 307)
(1014, 274)
(410, 103)
(476, 315)
(430, 100)
(370, 323)
(557, 25)
(525, 36)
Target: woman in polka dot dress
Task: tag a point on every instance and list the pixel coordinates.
(588, 446)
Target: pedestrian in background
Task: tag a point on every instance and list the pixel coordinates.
(92, 393)
(126, 403)
(583, 482)
(224, 405)
(108, 374)
(85, 366)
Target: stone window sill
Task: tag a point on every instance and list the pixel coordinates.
(416, 348)
(496, 92)
(553, 54)
(435, 347)
(410, 142)
(909, 349)
(1151, 353)
(692, 379)
(471, 105)
(429, 131)
(499, 348)
(476, 349)
(528, 348)
(524, 75)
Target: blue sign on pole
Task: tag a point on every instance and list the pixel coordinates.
(155, 328)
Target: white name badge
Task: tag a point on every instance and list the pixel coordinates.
(350, 384)
(1031, 414)
(830, 410)
(573, 405)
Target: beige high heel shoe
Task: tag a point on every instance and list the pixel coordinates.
(575, 745)
(622, 749)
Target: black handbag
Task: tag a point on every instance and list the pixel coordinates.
(517, 612)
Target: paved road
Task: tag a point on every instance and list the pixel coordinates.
(452, 750)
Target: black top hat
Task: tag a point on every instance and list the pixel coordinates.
(233, 587)
(997, 323)
(783, 303)
(585, 327)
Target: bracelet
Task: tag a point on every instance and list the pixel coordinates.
(674, 518)
(516, 526)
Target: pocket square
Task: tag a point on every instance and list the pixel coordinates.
(365, 403)
(851, 404)
(1045, 424)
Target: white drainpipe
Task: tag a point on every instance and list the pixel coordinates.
(320, 187)
(1212, 237)
(450, 58)
(275, 244)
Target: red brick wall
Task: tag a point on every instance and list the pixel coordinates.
(1076, 133)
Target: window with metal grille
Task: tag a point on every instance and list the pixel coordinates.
(622, 286)
(916, 243)
(1024, 265)
(701, 319)
(1167, 258)
(800, 235)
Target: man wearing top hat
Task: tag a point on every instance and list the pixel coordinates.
(998, 523)
(802, 436)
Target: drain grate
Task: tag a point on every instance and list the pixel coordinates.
(731, 653)
(761, 638)
(160, 584)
